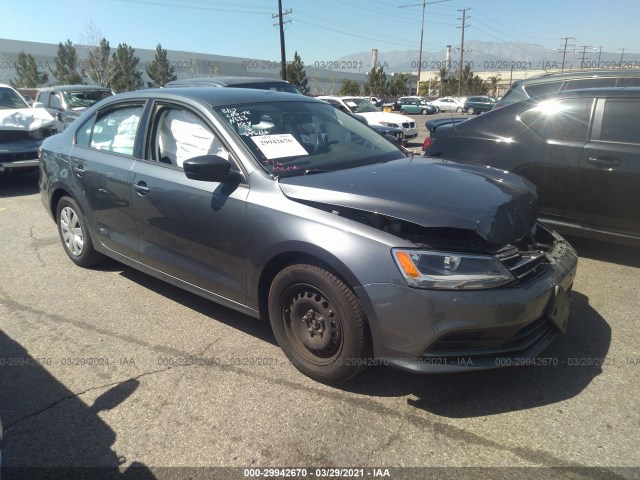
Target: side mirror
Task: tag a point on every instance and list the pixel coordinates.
(210, 168)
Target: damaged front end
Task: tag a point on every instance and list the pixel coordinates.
(21, 134)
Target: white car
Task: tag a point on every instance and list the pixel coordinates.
(374, 116)
(449, 104)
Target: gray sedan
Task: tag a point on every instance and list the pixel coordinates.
(287, 209)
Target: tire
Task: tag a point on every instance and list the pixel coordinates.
(459, 109)
(471, 111)
(424, 111)
(403, 111)
(301, 300)
(74, 234)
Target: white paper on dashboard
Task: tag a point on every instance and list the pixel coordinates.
(279, 146)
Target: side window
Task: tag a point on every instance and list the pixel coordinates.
(536, 90)
(620, 121)
(43, 98)
(632, 82)
(115, 130)
(591, 83)
(180, 135)
(567, 119)
(83, 134)
(55, 101)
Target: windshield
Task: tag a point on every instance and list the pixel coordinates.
(294, 138)
(85, 98)
(360, 105)
(9, 99)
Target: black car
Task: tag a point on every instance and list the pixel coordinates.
(478, 104)
(580, 148)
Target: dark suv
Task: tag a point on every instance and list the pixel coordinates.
(580, 148)
(558, 82)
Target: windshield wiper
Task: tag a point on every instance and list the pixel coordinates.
(311, 171)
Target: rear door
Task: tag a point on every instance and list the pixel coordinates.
(102, 160)
(609, 181)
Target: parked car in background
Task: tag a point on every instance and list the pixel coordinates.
(374, 116)
(433, 124)
(261, 83)
(580, 148)
(22, 130)
(285, 208)
(66, 102)
(449, 104)
(478, 104)
(416, 105)
(549, 83)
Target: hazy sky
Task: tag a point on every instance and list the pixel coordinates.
(322, 29)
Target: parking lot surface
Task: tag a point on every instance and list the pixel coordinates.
(110, 367)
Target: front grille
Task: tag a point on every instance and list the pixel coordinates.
(491, 342)
(14, 157)
(528, 257)
(15, 136)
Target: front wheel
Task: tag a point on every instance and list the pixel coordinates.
(319, 323)
(471, 110)
(459, 109)
(75, 235)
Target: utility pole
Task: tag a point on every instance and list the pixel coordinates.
(564, 52)
(424, 4)
(621, 57)
(584, 52)
(599, 55)
(464, 16)
(283, 56)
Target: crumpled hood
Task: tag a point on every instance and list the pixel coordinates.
(499, 206)
(25, 119)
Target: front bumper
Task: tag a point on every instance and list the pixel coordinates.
(432, 331)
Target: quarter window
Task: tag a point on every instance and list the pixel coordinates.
(115, 130)
(620, 121)
(536, 90)
(591, 83)
(566, 119)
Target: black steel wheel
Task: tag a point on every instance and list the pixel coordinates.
(319, 323)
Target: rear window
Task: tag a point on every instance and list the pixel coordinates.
(620, 121)
(565, 119)
(538, 89)
(591, 83)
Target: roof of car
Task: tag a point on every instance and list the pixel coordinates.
(216, 97)
(226, 81)
(75, 88)
(571, 75)
(593, 92)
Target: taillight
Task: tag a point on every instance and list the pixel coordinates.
(426, 144)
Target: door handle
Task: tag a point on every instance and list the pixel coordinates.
(79, 170)
(610, 163)
(141, 188)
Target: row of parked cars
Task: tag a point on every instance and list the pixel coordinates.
(290, 209)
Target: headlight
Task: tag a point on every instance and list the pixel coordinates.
(441, 270)
(389, 124)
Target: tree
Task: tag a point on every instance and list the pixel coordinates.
(377, 83)
(296, 74)
(349, 87)
(28, 74)
(492, 84)
(66, 63)
(125, 75)
(98, 65)
(160, 71)
(398, 86)
(472, 84)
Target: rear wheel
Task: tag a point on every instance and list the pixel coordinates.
(74, 234)
(471, 110)
(319, 323)
(459, 109)
(424, 111)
